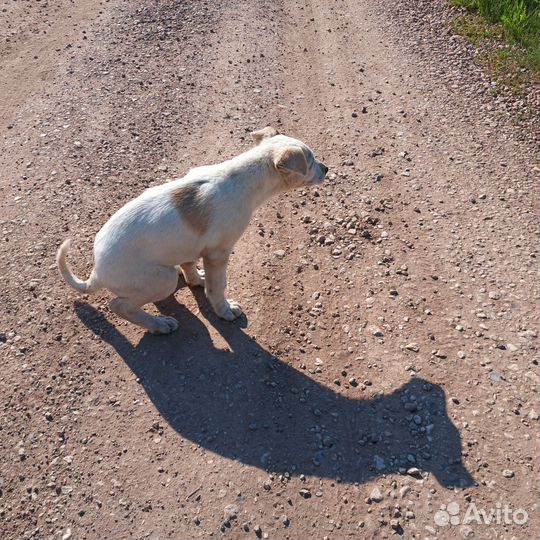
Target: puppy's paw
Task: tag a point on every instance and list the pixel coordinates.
(230, 310)
(196, 279)
(164, 325)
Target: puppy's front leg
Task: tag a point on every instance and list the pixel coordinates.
(215, 269)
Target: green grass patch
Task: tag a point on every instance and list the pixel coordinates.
(475, 28)
(518, 22)
(510, 68)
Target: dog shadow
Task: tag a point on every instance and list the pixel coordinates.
(248, 405)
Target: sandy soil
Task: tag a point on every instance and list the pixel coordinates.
(385, 377)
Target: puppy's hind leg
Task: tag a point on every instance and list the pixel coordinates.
(152, 285)
(157, 325)
(193, 276)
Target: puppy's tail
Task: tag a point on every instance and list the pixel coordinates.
(89, 286)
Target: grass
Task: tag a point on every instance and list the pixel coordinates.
(515, 23)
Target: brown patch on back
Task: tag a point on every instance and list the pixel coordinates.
(192, 206)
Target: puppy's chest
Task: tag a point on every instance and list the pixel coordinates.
(227, 229)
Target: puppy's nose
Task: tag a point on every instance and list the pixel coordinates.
(325, 168)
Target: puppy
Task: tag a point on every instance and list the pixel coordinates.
(138, 251)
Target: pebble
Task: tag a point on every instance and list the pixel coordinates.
(412, 347)
(379, 463)
(376, 495)
(305, 493)
(404, 490)
(230, 512)
(280, 253)
(67, 534)
(508, 473)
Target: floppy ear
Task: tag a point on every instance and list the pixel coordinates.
(264, 133)
(291, 159)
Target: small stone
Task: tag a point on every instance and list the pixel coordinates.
(377, 332)
(285, 520)
(413, 471)
(508, 473)
(380, 464)
(533, 415)
(376, 495)
(305, 493)
(67, 534)
(511, 347)
(230, 512)
(412, 347)
(461, 355)
(280, 253)
(494, 295)
(77, 144)
(404, 490)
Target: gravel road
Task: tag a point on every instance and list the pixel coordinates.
(384, 381)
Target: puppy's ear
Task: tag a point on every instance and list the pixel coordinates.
(264, 133)
(291, 159)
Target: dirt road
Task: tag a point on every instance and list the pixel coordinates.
(385, 378)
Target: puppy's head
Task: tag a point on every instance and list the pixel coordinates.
(292, 159)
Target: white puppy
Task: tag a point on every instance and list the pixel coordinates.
(201, 215)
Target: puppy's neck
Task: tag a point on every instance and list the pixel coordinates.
(259, 178)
